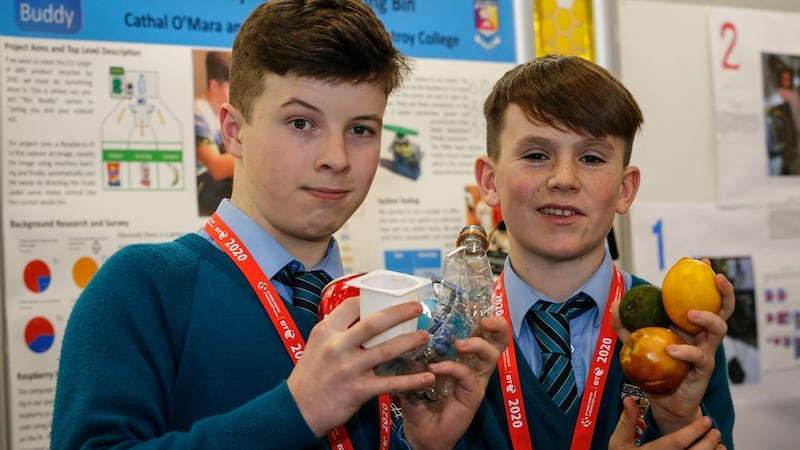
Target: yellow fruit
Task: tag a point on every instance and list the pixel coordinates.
(689, 284)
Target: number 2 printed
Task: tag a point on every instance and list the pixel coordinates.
(729, 28)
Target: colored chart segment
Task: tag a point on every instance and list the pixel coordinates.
(37, 276)
(83, 270)
(39, 335)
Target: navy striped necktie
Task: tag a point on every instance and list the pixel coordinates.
(306, 287)
(550, 325)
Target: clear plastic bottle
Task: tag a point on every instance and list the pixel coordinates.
(464, 297)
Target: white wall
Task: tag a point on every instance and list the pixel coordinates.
(663, 58)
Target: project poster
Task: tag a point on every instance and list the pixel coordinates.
(98, 150)
(755, 65)
(764, 330)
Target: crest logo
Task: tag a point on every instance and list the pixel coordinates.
(487, 23)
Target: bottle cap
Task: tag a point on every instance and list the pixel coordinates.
(474, 231)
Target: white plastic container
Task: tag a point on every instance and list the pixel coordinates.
(384, 288)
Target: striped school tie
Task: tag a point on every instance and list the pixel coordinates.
(550, 324)
(306, 287)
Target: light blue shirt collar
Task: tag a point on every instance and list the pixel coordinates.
(522, 297)
(266, 251)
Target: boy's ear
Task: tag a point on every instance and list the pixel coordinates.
(630, 186)
(229, 121)
(485, 177)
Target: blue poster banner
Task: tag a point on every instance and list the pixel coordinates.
(480, 30)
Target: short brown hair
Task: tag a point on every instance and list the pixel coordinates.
(331, 40)
(565, 92)
(218, 66)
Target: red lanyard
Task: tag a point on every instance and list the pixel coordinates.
(227, 240)
(516, 416)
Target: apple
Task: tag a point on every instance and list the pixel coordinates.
(645, 361)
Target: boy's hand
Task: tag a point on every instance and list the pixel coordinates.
(440, 426)
(334, 377)
(679, 408)
(697, 435)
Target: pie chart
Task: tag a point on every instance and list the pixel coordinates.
(83, 270)
(37, 276)
(39, 335)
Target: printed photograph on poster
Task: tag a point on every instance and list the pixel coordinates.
(491, 220)
(404, 150)
(741, 342)
(754, 59)
(214, 165)
(782, 112)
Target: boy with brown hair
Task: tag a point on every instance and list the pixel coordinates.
(560, 133)
(209, 341)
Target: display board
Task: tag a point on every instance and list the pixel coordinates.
(677, 59)
(97, 132)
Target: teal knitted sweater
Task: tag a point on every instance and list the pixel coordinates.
(168, 347)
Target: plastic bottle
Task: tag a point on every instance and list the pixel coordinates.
(463, 298)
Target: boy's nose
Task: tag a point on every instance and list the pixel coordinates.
(564, 176)
(333, 153)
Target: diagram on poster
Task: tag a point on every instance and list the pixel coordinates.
(141, 138)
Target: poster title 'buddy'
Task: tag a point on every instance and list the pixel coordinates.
(49, 15)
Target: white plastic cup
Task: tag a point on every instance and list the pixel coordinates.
(381, 289)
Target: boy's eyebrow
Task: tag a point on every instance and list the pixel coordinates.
(589, 141)
(595, 142)
(370, 117)
(537, 140)
(305, 104)
(297, 101)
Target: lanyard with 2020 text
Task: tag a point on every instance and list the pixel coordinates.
(514, 405)
(293, 341)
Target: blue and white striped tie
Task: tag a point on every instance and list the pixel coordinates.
(550, 325)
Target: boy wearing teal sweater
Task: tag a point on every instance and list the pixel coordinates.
(199, 343)
(560, 133)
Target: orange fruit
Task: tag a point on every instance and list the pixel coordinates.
(641, 306)
(645, 361)
(689, 284)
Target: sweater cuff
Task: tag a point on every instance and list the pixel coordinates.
(652, 432)
(262, 421)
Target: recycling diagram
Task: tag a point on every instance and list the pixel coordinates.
(141, 138)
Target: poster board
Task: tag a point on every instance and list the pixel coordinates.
(665, 59)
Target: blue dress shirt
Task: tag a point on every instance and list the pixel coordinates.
(584, 330)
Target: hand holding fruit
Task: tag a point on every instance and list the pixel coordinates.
(689, 284)
(678, 407)
(648, 312)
